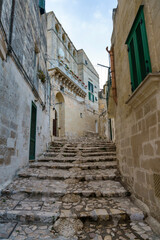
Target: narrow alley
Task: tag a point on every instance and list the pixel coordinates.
(79, 120)
(73, 191)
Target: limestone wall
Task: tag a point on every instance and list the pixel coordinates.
(79, 114)
(137, 115)
(19, 86)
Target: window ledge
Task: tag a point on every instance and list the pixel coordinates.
(147, 88)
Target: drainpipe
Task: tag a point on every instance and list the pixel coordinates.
(114, 90)
(11, 26)
(1, 3)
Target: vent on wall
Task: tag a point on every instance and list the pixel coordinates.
(156, 178)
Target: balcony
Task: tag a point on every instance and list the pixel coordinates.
(64, 76)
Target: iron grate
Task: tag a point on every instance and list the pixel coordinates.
(156, 178)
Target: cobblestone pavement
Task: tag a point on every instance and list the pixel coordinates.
(73, 191)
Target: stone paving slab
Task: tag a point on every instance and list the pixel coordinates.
(91, 230)
(114, 231)
(6, 229)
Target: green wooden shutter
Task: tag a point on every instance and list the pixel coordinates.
(33, 132)
(138, 51)
(42, 6)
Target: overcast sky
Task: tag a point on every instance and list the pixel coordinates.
(88, 23)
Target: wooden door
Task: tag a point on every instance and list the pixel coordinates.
(55, 125)
(33, 132)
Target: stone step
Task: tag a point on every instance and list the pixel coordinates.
(98, 150)
(63, 165)
(94, 144)
(69, 206)
(99, 230)
(58, 174)
(99, 208)
(98, 154)
(28, 216)
(52, 154)
(54, 150)
(106, 188)
(78, 159)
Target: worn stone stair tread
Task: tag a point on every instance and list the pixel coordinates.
(37, 187)
(98, 154)
(29, 216)
(98, 150)
(80, 158)
(93, 174)
(102, 208)
(92, 230)
(63, 165)
(107, 188)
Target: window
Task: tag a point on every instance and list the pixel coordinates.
(42, 6)
(90, 91)
(62, 88)
(138, 52)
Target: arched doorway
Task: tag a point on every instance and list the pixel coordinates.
(59, 115)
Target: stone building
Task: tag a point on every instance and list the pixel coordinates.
(106, 124)
(24, 85)
(75, 85)
(134, 99)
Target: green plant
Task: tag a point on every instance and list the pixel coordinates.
(41, 76)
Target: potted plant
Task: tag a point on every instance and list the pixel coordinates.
(41, 76)
(61, 62)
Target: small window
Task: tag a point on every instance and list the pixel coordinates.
(138, 52)
(63, 37)
(62, 88)
(90, 92)
(57, 27)
(74, 53)
(69, 46)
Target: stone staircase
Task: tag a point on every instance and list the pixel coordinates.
(73, 191)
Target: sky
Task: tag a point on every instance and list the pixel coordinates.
(88, 24)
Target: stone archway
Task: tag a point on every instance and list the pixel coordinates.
(60, 109)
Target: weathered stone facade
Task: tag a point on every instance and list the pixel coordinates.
(137, 114)
(22, 53)
(72, 113)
